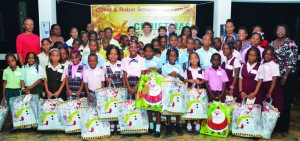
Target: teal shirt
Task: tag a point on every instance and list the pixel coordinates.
(168, 68)
(31, 74)
(181, 59)
(154, 62)
(205, 57)
(101, 60)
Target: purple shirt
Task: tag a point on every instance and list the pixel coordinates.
(94, 78)
(243, 54)
(215, 78)
(74, 70)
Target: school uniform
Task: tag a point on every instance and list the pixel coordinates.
(168, 68)
(215, 79)
(84, 50)
(66, 64)
(250, 76)
(13, 84)
(101, 60)
(114, 72)
(54, 77)
(235, 54)
(94, 78)
(43, 59)
(205, 57)
(75, 76)
(30, 74)
(154, 62)
(133, 67)
(243, 54)
(229, 66)
(181, 58)
(191, 73)
(271, 69)
(186, 65)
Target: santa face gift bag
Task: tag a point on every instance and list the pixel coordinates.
(149, 95)
(131, 119)
(270, 116)
(218, 122)
(48, 117)
(3, 114)
(69, 112)
(173, 95)
(23, 109)
(107, 102)
(92, 126)
(196, 104)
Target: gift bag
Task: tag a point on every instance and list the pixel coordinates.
(69, 112)
(3, 114)
(48, 117)
(149, 95)
(270, 116)
(219, 118)
(131, 119)
(107, 102)
(246, 121)
(23, 111)
(173, 97)
(91, 125)
(196, 104)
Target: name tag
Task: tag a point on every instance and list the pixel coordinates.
(199, 76)
(96, 72)
(59, 70)
(230, 67)
(219, 73)
(17, 73)
(253, 71)
(78, 74)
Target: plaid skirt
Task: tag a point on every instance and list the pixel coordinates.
(9, 93)
(133, 80)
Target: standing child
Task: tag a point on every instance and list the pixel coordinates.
(271, 87)
(93, 48)
(190, 49)
(152, 64)
(54, 77)
(232, 67)
(124, 45)
(64, 57)
(251, 76)
(206, 52)
(163, 43)
(131, 75)
(141, 52)
(216, 79)
(255, 40)
(93, 79)
(11, 81)
(44, 56)
(84, 47)
(197, 44)
(74, 77)
(194, 76)
(31, 76)
(175, 71)
(102, 51)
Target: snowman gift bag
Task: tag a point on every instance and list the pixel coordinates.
(48, 117)
(3, 114)
(270, 116)
(149, 95)
(69, 112)
(173, 95)
(196, 104)
(91, 125)
(218, 122)
(107, 102)
(23, 111)
(131, 119)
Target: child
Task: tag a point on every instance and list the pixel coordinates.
(251, 76)
(229, 39)
(105, 43)
(84, 47)
(93, 79)
(44, 56)
(255, 40)
(215, 78)
(217, 43)
(183, 40)
(69, 49)
(152, 64)
(11, 81)
(76, 43)
(74, 35)
(190, 48)
(93, 48)
(124, 45)
(197, 44)
(175, 71)
(238, 45)
(194, 76)
(64, 57)
(179, 42)
(131, 75)
(271, 87)
(141, 52)
(31, 76)
(74, 74)
(232, 66)
(206, 52)
(163, 43)
(54, 77)
(157, 53)
(156, 43)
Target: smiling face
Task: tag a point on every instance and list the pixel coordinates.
(281, 32)
(133, 49)
(113, 55)
(93, 61)
(108, 33)
(206, 41)
(31, 60)
(28, 25)
(163, 42)
(255, 40)
(268, 56)
(242, 35)
(56, 30)
(229, 28)
(46, 46)
(226, 50)
(63, 54)
(172, 57)
(173, 41)
(74, 33)
(147, 29)
(194, 59)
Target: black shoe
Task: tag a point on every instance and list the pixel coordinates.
(168, 131)
(156, 134)
(150, 131)
(196, 132)
(189, 131)
(118, 132)
(178, 130)
(138, 135)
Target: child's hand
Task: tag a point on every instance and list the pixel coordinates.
(155, 69)
(108, 80)
(4, 98)
(49, 94)
(192, 81)
(90, 99)
(149, 70)
(69, 92)
(56, 94)
(130, 91)
(135, 89)
(251, 95)
(282, 81)
(243, 95)
(78, 93)
(269, 95)
(199, 82)
(175, 74)
(212, 96)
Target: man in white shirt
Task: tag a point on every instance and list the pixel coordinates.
(147, 37)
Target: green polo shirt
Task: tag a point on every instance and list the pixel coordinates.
(12, 78)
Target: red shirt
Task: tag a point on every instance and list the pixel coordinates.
(27, 43)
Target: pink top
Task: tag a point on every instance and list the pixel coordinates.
(94, 78)
(74, 70)
(27, 43)
(243, 54)
(215, 78)
(133, 66)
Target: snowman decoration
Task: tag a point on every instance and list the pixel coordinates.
(133, 119)
(193, 107)
(154, 93)
(245, 123)
(74, 116)
(176, 101)
(50, 116)
(217, 122)
(111, 106)
(93, 124)
(23, 112)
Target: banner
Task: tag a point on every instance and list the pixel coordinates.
(119, 17)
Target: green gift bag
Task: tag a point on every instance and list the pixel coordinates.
(219, 120)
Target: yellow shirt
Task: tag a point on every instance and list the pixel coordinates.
(103, 53)
(125, 53)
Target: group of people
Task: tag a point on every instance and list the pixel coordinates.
(242, 65)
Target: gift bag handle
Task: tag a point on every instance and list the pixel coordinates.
(112, 83)
(271, 100)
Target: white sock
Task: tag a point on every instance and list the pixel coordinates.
(157, 128)
(198, 127)
(118, 127)
(189, 126)
(151, 125)
(112, 127)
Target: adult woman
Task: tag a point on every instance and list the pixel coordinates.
(285, 54)
(55, 34)
(229, 30)
(27, 41)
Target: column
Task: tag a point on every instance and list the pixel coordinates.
(222, 12)
(47, 16)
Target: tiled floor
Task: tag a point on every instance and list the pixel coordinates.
(26, 135)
